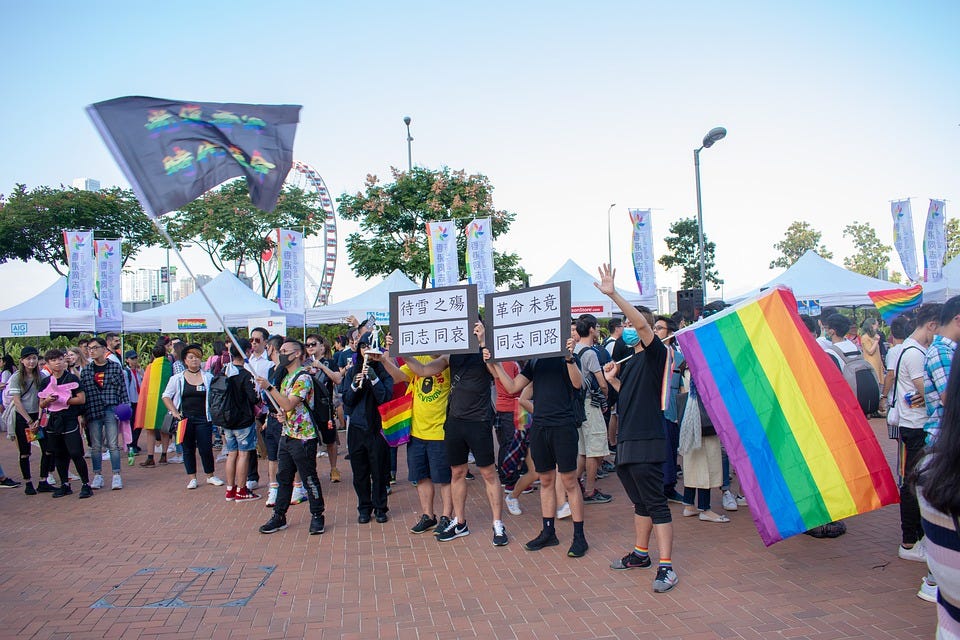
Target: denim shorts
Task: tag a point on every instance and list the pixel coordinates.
(240, 439)
(428, 459)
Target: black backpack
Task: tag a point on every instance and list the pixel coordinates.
(228, 408)
(320, 404)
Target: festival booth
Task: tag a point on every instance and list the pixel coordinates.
(586, 298)
(818, 283)
(375, 301)
(947, 286)
(45, 313)
(237, 303)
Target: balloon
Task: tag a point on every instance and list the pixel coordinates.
(124, 412)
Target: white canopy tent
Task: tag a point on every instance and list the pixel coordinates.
(45, 313)
(375, 301)
(586, 298)
(236, 302)
(814, 278)
(945, 288)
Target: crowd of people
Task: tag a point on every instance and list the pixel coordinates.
(558, 424)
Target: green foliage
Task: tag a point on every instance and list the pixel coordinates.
(393, 219)
(683, 251)
(226, 225)
(32, 222)
(953, 239)
(799, 238)
(871, 255)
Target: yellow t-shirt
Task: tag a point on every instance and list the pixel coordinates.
(429, 402)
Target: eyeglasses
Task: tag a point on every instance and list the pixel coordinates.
(256, 339)
(312, 344)
(659, 328)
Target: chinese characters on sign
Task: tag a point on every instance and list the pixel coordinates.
(108, 279)
(643, 266)
(528, 322)
(442, 242)
(80, 277)
(291, 275)
(479, 256)
(429, 321)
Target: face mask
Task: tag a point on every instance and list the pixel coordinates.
(284, 361)
(630, 337)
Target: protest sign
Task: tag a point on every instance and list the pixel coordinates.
(429, 321)
(528, 323)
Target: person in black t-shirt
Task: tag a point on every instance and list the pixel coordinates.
(641, 442)
(63, 426)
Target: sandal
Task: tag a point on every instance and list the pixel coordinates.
(713, 517)
(689, 512)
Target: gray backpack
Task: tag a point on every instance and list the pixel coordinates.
(861, 377)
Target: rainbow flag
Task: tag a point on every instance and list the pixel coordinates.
(894, 302)
(181, 430)
(803, 450)
(150, 407)
(397, 419)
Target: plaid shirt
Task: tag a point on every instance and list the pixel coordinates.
(936, 372)
(113, 392)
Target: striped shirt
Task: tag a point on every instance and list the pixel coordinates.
(942, 545)
(936, 372)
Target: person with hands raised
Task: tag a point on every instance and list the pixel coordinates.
(641, 441)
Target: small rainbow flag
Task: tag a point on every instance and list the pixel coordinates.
(150, 407)
(894, 302)
(181, 430)
(397, 419)
(802, 448)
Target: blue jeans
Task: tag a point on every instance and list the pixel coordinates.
(240, 439)
(103, 434)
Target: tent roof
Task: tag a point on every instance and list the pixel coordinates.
(48, 305)
(586, 298)
(235, 301)
(945, 288)
(375, 300)
(815, 278)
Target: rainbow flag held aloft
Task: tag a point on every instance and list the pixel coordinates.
(803, 450)
(150, 407)
(894, 302)
(397, 419)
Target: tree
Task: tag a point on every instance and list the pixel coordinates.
(871, 255)
(32, 222)
(393, 219)
(226, 225)
(799, 238)
(683, 248)
(953, 239)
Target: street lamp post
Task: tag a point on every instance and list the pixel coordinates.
(406, 121)
(609, 240)
(714, 135)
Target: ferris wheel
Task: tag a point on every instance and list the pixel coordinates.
(320, 251)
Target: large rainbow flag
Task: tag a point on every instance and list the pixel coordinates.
(894, 302)
(803, 450)
(150, 407)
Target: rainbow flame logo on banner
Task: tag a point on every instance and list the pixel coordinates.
(895, 302)
(803, 450)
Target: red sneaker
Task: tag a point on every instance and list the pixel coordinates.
(231, 494)
(244, 494)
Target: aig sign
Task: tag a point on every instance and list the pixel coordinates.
(18, 329)
(21, 328)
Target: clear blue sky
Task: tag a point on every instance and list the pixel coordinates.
(833, 109)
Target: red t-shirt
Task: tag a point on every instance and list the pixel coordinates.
(507, 402)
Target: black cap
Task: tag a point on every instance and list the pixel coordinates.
(130, 354)
(26, 352)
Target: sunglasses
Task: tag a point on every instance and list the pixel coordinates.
(256, 339)
(312, 344)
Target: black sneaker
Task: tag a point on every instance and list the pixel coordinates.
(631, 561)
(666, 579)
(9, 483)
(453, 531)
(86, 492)
(597, 498)
(442, 524)
(44, 487)
(470, 476)
(381, 517)
(316, 526)
(62, 490)
(276, 523)
(499, 535)
(543, 540)
(28, 489)
(424, 524)
(578, 548)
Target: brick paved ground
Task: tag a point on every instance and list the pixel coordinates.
(157, 561)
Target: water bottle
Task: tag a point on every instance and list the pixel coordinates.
(131, 455)
(908, 398)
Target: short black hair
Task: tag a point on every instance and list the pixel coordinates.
(53, 354)
(950, 310)
(613, 324)
(110, 334)
(296, 343)
(672, 325)
(898, 328)
(585, 323)
(810, 324)
(263, 332)
(839, 323)
(276, 341)
(99, 341)
(244, 344)
(927, 313)
(159, 351)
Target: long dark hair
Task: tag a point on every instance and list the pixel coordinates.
(8, 364)
(940, 478)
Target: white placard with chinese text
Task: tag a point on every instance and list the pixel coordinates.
(429, 321)
(528, 323)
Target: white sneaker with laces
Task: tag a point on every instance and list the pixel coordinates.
(51, 480)
(97, 482)
(192, 484)
(176, 460)
(117, 483)
(215, 481)
(252, 485)
(298, 496)
(564, 511)
(271, 497)
(917, 552)
(72, 476)
(729, 502)
(928, 590)
(172, 448)
(513, 505)
(741, 501)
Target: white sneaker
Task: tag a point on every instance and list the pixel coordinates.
(105, 455)
(271, 497)
(729, 501)
(51, 480)
(741, 501)
(513, 505)
(117, 482)
(471, 459)
(928, 591)
(192, 484)
(72, 476)
(215, 481)
(175, 460)
(252, 485)
(564, 511)
(172, 448)
(299, 495)
(97, 482)
(917, 552)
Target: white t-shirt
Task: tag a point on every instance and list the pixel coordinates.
(912, 359)
(891, 364)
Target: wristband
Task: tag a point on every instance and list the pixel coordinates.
(569, 360)
(270, 388)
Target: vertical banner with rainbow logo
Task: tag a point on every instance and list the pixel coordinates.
(643, 251)
(109, 305)
(479, 257)
(903, 238)
(290, 271)
(934, 242)
(444, 264)
(80, 275)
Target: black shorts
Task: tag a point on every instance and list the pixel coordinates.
(554, 448)
(463, 436)
(327, 433)
(643, 482)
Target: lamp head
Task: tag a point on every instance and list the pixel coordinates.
(714, 135)
(406, 121)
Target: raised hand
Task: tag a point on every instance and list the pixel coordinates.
(607, 275)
